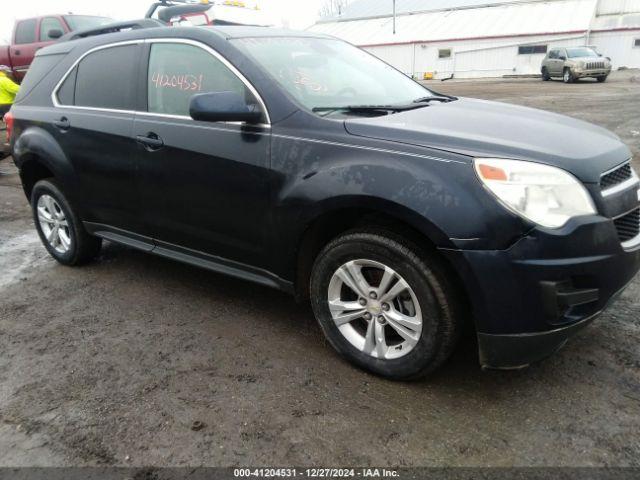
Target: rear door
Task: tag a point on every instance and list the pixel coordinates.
(24, 45)
(205, 185)
(93, 124)
(552, 62)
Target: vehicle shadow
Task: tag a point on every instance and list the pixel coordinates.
(279, 314)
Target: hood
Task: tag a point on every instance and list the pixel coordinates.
(590, 58)
(481, 128)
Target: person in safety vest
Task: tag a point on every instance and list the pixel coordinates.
(8, 90)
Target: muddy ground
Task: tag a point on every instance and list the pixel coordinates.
(113, 362)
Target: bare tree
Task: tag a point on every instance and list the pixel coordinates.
(332, 8)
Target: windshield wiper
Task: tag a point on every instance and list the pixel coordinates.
(365, 108)
(437, 98)
(417, 103)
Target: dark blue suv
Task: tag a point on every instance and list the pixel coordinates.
(300, 162)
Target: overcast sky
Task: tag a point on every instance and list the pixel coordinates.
(296, 13)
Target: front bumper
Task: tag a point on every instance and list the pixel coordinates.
(529, 299)
(519, 350)
(577, 73)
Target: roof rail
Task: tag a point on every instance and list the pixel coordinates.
(112, 28)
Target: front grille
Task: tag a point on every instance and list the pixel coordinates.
(616, 176)
(628, 226)
(594, 65)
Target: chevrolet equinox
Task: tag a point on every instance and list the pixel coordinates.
(301, 162)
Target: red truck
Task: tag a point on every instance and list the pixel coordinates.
(31, 34)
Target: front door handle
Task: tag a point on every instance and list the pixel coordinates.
(151, 141)
(63, 123)
(16, 52)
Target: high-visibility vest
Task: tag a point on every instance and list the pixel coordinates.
(8, 89)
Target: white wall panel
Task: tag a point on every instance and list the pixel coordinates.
(619, 46)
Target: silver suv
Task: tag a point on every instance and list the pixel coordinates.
(573, 63)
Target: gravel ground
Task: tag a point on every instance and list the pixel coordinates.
(113, 363)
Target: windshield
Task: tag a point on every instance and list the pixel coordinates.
(326, 73)
(581, 52)
(81, 22)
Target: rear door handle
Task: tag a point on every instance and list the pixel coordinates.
(63, 123)
(16, 52)
(151, 141)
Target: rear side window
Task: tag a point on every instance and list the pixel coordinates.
(178, 71)
(26, 31)
(106, 78)
(67, 91)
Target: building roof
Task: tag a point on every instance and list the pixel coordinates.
(360, 9)
(521, 18)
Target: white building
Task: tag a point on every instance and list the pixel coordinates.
(486, 38)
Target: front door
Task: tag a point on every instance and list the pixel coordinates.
(204, 186)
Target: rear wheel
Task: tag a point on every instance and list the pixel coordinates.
(60, 227)
(602, 78)
(385, 306)
(567, 76)
(545, 74)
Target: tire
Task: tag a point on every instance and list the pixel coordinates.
(545, 75)
(567, 76)
(602, 79)
(74, 246)
(430, 285)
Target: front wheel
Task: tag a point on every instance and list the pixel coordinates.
(602, 78)
(385, 306)
(60, 227)
(567, 76)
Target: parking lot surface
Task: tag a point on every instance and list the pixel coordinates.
(113, 363)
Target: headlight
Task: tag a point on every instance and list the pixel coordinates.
(543, 194)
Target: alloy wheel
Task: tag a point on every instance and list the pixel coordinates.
(54, 224)
(375, 309)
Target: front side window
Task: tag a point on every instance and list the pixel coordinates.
(177, 72)
(581, 52)
(106, 78)
(26, 31)
(47, 25)
(553, 54)
(323, 73)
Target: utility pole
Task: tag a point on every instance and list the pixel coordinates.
(394, 17)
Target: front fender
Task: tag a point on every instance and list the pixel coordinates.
(443, 200)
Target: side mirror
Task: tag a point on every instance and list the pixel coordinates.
(223, 107)
(562, 57)
(55, 33)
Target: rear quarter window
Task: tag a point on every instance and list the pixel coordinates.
(42, 65)
(106, 78)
